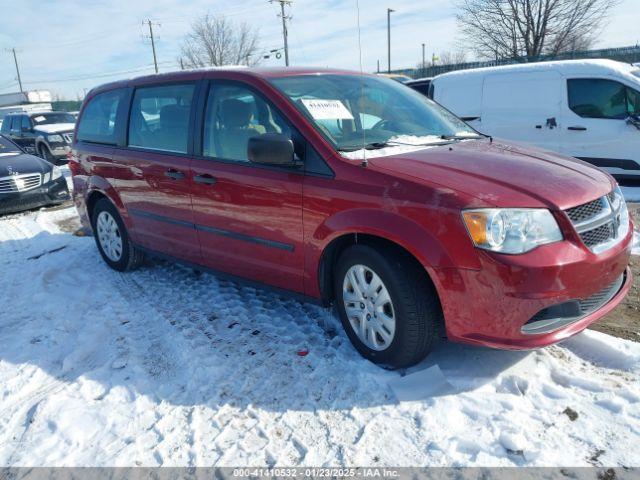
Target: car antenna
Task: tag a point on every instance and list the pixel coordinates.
(365, 162)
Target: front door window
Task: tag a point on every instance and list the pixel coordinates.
(233, 115)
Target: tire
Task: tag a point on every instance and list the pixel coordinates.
(414, 306)
(125, 258)
(46, 154)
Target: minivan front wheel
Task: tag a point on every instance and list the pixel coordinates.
(388, 308)
(112, 238)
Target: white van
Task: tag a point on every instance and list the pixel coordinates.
(589, 109)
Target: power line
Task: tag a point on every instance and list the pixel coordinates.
(224, 13)
(285, 33)
(99, 75)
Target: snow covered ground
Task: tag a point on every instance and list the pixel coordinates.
(166, 367)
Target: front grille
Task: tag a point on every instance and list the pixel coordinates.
(594, 302)
(586, 211)
(68, 137)
(20, 183)
(600, 223)
(598, 235)
(558, 316)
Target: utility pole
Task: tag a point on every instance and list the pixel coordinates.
(389, 39)
(15, 59)
(378, 71)
(153, 44)
(285, 33)
(424, 66)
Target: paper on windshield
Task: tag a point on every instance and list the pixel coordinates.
(326, 109)
(40, 118)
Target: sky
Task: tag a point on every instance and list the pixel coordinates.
(67, 46)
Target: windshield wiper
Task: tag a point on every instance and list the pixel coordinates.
(368, 146)
(462, 137)
(389, 143)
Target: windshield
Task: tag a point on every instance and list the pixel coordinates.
(352, 111)
(51, 118)
(7, 148)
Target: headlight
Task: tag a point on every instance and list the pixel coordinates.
(620, 205)
(56, 173)
(511, 230)
(55, 138)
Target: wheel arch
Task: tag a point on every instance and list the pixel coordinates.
(381, 230)
(334, 249)
(100, 188)
(40, 141)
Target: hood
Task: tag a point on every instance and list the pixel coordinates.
(22, 163)
(55, 128)
(502, 175)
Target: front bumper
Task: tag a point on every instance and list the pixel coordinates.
(59, 150)
(492, 306)
(52, 193)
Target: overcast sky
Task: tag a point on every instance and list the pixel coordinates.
(68, 45)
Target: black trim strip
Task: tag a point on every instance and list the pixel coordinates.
(612, 163)
(215, 231)
(162, 218)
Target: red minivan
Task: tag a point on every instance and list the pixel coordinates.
(357, 191)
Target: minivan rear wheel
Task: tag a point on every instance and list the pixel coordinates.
(388, 307)
(112, 238)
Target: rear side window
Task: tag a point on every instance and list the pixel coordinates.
(6, 125)
(598, 98)
(159, 118)
(98, 121)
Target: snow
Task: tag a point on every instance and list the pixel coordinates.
(566, 67)
(164, 366)
(406, 144)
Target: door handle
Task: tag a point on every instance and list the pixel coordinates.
(175, 174)
(577, 129)
(205, 178)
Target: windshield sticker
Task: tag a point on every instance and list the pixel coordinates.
(321, 109)
(40, 118)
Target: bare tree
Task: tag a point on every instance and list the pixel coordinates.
(452, 58)
(530, 28)
(215, 41)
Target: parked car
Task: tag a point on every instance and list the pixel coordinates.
(420, 85)
(588, 109)
(414, 225)
(395, 76)
(46, 134)
(27, 181)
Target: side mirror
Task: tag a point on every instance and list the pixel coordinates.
(271, 149)
(26, 130)
(634, 120)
